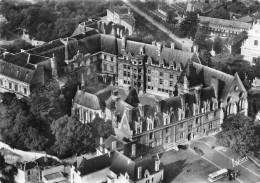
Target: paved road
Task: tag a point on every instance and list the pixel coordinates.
(184, 44)
(222, 161)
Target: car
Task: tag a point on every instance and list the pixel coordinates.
(183, 147)
(198, 151)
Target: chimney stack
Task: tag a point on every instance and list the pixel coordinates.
(101, 141)
(157, 163)
(183, 104)
(139, 172)
(158, 106)
(133, 150)
(159, 48)
(54, 71)
(173, 45)
(114, 145)
(141, 109)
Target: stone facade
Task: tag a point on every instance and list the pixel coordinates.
(251, 47)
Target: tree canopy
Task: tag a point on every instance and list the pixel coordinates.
(238, 133)
(189, 25)
(218, 45)
(221, 13)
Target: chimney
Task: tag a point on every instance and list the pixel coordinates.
(141, 109)
(173, 45)
(157, 163)
(82, 81)
(113, 146)
(113, 31)
(65, 42)
(159, 48)
(158, 106)
(101, 141)
(54, 71)
(133, 150)
(121, 33)
(215, 83)
(139, 172)
(183, 104)
(197, 94)
(123, 43)
(185, 84)
(129, 114)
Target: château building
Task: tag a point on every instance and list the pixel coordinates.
(251, 46)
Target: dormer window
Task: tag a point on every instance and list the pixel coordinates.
(161, 65)
(171, 67)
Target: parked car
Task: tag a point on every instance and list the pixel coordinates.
(198, 151)
(183, 147)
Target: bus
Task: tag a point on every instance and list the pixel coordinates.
(217, 175)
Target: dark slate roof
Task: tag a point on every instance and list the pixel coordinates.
(165, 8)
(122, 164)
(242, 35)
(132, 98)
(207, 93)
(149, 111)
(88, 100)
(128, 149)
(20, 73)
(108, 143)
(88, 166)
(109, 44)
(30, 165)
(246, 19)
(46, 47)
(173, 102)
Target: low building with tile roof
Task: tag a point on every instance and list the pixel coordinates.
(234, 44)
(224, 28)
(122, 15)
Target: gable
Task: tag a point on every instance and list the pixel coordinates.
(124, 126)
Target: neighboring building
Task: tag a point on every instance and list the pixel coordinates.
(19, 72)
(59, 174)
(245, 19)
(163, 11)
(92, 170)
(205, 97)
(126, 170)
(25, 36)
(234, 44)
(31, 172)
(251, 47)
(199, 6)
(224, 28)
(122, 15)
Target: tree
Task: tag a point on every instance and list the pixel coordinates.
(17, 45)
(201, 37)
(218, 45)
(238, 133)
(189, 25)
(221, 13)
(102, 128)
(72, 137)
(2, 161)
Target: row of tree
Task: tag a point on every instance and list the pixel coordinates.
(41, 123)
(50, 20)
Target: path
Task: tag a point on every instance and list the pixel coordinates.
(183, 44)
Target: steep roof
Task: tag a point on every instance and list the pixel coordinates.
(121, 164)
(132, 98)
(226, 23)
(246, 19)
(88, 166)
(88, 100)
(108, 143)
(242, 35)
(118, 9)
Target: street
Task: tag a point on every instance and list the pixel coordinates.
(183, 44)
(223, 161)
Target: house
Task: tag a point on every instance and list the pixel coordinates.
(205, 97)
(145, 169)
(122, 15)
(223, 28)
(199, 6)
(92, 170)
(56, 174)
(250, 48)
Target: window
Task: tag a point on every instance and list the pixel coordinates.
(159, 89)
(1, 82)
(161, 74)
(147, 181)
(128, 82)
(10, 85)
(256, 42)
(171, 83)
(167, 129)
(210, 125)
(124, 73)
(125, 82)
(162, 90)
(125, 66)
(112, 68)
(181, 125)
(128, 67)
(128, 74)
(112, 59)
(215, 113)
(105, 57)
(197, 121)
(206, 116)
(152, 179)
(151, 135)
(161, 81)
(149, 79)
(16, 87)
(171, 76)
(181, 135)
(149, 71)
(166, 140)
(105, 67)
(177, 77)
(148, 87)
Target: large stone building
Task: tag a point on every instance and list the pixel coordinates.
(251, 47)
(223, 28)
(122, 15)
